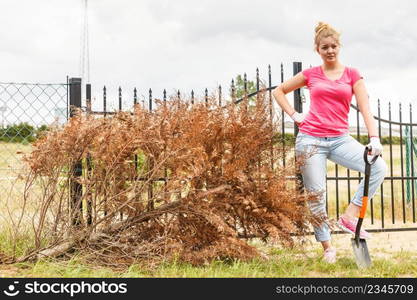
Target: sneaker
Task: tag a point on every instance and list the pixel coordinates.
(349, 226)
(330, 255)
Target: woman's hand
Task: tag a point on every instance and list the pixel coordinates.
(375, 145)
(362, 99)
(286, 87)
(297, 117)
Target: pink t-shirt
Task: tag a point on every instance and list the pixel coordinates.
(330, 102)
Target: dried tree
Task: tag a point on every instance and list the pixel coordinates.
(218, 190)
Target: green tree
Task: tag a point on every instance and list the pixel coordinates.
(240, 86)
(21, 133)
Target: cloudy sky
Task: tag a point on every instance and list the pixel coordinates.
(186, 44)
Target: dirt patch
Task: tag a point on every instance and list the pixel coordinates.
(8, 271)
(381, 244)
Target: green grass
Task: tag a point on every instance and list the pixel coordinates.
(282, 263)
(11, 154)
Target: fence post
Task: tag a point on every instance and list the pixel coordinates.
(76, 188)
(89, 161)
(298, 106)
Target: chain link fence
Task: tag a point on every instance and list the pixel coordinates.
(26, 110)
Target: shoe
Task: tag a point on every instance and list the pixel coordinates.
(330, 255)
(350, 226)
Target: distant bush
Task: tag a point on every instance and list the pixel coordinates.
(287, 138)
(21, 133)
(26, 133)
(385, 140)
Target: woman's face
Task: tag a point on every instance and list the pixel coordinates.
(328, 49)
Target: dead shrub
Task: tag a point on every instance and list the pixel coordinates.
(224, 184)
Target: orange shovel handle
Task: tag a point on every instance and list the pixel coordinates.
(363, 208)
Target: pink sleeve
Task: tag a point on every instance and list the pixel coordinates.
(306, 74)
(355, 76)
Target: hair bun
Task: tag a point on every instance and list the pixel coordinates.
(324, 30)
(321, 26)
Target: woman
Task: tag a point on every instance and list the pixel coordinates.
(324, 131)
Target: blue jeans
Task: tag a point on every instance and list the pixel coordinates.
(343, 150)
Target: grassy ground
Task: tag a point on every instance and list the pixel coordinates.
(11, 154)
(307, 262)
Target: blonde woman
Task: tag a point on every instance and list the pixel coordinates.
(324, 130)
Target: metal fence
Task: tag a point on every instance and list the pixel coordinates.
(26, 109)
(393, 208)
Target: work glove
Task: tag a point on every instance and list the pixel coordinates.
(297, 117)
(375, 145)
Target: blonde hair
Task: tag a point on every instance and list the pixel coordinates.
(324, 30)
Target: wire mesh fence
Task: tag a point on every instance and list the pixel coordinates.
(26, 109)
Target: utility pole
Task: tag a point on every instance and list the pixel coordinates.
(84, 71)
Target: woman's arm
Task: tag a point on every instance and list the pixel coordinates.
(286, 87)
(362, 100)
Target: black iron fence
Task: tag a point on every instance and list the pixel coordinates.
(393, 206)
(25, 108)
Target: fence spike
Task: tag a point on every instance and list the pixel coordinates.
(120, 98)
(245, 84)
(257, 79)
(232, 88)
(382, 186)
(104, 100)
(150, 99)
(269, 76)
(412, 153)
(220, 95)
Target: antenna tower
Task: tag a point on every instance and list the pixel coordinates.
(84, 70)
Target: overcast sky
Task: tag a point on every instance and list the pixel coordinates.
(186, 44)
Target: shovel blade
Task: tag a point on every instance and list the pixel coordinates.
(360, 249)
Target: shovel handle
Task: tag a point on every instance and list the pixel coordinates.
(368, 149)
(368, 165)
(363, 208)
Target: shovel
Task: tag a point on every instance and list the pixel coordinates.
(359, 246)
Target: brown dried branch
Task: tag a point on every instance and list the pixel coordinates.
(220, 184)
